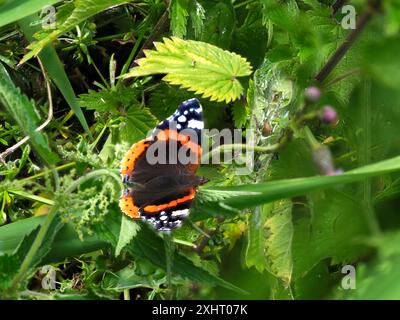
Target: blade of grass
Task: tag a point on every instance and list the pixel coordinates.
(32, 197)
(256, 194)
(55, 70)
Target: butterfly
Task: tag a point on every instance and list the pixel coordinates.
(159, 172)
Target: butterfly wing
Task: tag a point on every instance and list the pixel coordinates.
(163, 192)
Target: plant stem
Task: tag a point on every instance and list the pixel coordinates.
(337, 5)
(127, 295)
(373, 6)
(365, 158)
(159, 28)
(41, 174)
(34, 248)
(128, 62)
(233, 147)
(91, 175)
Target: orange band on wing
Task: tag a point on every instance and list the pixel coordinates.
(183, 139)
(127, 206)
(129, 160)
(171, 204)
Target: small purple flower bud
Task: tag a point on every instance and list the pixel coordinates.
(312, 94)
(328, 115)
(323, 159)
(336, 172)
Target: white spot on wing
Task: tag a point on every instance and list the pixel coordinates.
(180, 213)
(195, 124)
(182, 118)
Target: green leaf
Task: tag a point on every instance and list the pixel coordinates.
(55, 69)
(44, 249)
(66, 243)
(25, 114)
(83, 10)
(128, 278)
(220, 23)
(381, 58)
(240, 114)
(378, 279)
(149, 246)
(12, 11)
(178, 14)
(278, 245)
(9, 265)
(139, 122)
(129, 229)
(255, 250)
(196, 66)
(119, 98)
(197, 15)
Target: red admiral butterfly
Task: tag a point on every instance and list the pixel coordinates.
(162, 192)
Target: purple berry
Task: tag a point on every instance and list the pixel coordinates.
(328, 115)
(312, 94)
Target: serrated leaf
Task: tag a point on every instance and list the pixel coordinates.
(109, 100)
(239, 114)
(255, 250)
(25, 114)
(139, 122)
(129, 229)
(83, 10)
(178, 17)
(197, 15)
(278, 245)
(220, 23)
(196, 66)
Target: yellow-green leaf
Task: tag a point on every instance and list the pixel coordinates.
(196, 66)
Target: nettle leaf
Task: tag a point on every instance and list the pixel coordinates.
(197, 15)
(220, 22)
(83, 9)
(240, 114)
(196, 66)
(255, 250)
(139, 122)
(109, 100)
(129, 229)
(178, 14)
(278, 245)
(26, 115)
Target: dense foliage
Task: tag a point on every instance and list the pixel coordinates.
(318, 103)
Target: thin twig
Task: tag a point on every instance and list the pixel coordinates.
(10, 150)
(159, 28)
(337, 5)
(373, 6)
